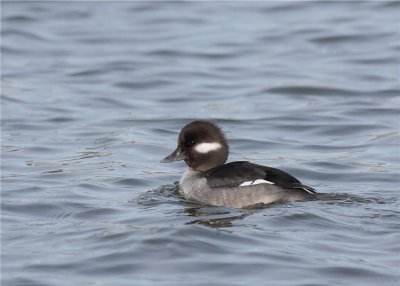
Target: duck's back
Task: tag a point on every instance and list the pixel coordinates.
(242, 184)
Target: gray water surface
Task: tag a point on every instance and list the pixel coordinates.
(94, 95)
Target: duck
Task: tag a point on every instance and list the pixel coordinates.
(210, 180)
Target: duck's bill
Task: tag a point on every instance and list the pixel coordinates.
(177, 155)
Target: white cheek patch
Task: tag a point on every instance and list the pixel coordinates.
(207, 147)
(256, 182)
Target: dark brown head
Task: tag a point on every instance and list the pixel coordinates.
(202, 145)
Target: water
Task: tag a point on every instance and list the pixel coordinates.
(95, 93)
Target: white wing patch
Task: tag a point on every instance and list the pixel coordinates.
(256, 182)
(207, 147)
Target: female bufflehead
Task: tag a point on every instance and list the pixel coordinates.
(237, 184)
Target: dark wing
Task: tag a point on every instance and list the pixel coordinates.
(235, 173)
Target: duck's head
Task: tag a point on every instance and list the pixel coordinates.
(202, 145)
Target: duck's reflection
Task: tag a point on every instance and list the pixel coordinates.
(216, 216)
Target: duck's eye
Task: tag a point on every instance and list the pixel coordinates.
(190, 143)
